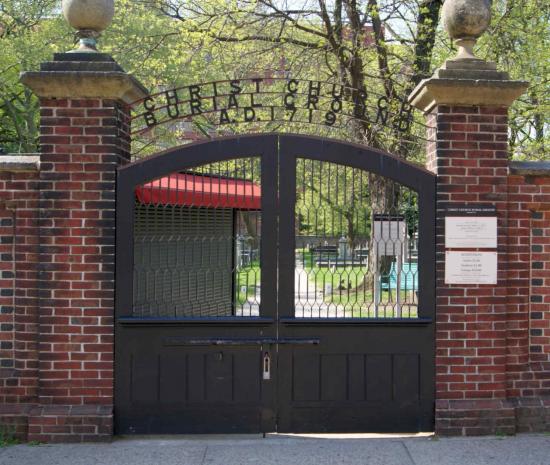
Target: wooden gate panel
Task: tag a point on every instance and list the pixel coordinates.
(356, 384)
(190, 388)
(204, 366)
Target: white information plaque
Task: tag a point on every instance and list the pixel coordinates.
(389, 236)
(464, 232)
(471, 267)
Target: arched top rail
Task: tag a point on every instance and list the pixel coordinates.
(272, 145)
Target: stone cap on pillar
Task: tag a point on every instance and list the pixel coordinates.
(467, 82)
(84, 75)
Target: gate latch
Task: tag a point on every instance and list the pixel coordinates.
(266, 366)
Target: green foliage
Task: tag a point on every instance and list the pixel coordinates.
(519, 42)
(384, 46)
(248, 279)
(29, 32)
(7, 436)
(332, 200)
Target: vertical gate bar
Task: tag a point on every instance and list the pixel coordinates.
(399, 269)
(237, 231)
(376, 281)
(235, 304)
(173, 208)
(426, 249)
(268, 238)
(124, 266)
(287, 200)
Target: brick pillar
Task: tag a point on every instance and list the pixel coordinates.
(466, 105)
(84, 136)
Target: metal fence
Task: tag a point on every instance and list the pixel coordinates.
(372, 269)
(197, 237)
(188, 252)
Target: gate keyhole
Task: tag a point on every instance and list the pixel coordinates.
(266, 366)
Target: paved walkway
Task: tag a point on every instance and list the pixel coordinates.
(308, 299)
(290, 450)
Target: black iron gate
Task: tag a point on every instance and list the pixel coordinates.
(274, 283)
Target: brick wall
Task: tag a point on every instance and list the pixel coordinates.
(18, 295)
(487, 355)
(528, 363)
(18, 285)
(527, 307)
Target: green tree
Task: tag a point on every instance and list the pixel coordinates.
(519, 41)
(29, 30)
(385, 46)
(347, 42)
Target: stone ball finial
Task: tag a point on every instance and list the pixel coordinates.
(465, 21)
(89, 18)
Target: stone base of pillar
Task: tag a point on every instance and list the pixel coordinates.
(532, 414)
(14, 421)
(492, 417)
(57, 423)
(474, 417)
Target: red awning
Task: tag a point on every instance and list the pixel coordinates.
(196, 190)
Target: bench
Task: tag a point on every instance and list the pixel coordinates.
(409, 278)
(324, 250)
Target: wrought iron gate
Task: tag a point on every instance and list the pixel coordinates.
(274, 283)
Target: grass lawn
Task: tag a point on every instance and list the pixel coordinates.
(356, 303)
(343, 283)
(247, 277)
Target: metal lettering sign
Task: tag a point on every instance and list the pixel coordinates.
(471, 267)
(256, 100)
(470, 210)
